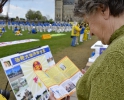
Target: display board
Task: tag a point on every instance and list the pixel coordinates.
(33, 73)
(19, 69)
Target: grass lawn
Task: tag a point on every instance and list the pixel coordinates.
(56, 43)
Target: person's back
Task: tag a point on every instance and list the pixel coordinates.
(33, 31)
(15, 29)
(3, 30)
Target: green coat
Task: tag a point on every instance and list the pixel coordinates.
(104, 80)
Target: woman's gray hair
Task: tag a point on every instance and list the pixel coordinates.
(86, 7)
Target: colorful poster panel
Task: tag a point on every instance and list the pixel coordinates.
(21, 89)
(20, 71)
(29, 67)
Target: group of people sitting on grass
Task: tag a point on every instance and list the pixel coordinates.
(18, 31)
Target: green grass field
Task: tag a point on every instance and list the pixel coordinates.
(56, 43)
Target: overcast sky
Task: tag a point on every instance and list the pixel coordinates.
(20, 7)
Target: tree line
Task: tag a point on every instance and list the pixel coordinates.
(30, 16)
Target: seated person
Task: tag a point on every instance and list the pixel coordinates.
(33, 31)
(18, 32)
(3, 30)
(15, 29)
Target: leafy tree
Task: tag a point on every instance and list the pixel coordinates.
(44, 18)
(30, 15)
(33, 15)
(38, 15)
(17, 18)
(22, 19)
(48, 17)
(51, 21)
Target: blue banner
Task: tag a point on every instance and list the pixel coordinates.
(30, 55)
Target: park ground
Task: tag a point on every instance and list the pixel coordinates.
(79, 55)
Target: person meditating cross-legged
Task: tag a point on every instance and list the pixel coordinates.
(18, 32)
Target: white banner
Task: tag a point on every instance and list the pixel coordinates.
(17, 42)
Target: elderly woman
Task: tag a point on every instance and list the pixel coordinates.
(104, 80)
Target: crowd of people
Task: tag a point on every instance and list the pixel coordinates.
(33, 27)
(80, 32)
(41, 26)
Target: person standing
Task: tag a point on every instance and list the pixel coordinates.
(85, 33)
(77, 34)
(88, 33)
(82, 32)
(75, 31)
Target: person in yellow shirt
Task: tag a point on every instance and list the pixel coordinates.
(88, 33)
(85, 32)
(75, 32)
(18, 32)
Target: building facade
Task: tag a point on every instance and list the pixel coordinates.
(64, 10)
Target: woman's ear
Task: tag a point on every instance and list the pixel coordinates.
(105, 12)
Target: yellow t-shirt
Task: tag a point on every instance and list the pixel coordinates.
(18, 32)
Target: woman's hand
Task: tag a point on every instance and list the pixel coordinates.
(53, 98)
(83, 71)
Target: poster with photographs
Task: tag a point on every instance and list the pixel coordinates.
(20, 71)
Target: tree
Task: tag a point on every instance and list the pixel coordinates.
(44, 18)
(22, 19)
(48, 17)
(30, 15)
(33, 15)
(51, 21)
(17, 18)
(38, 15)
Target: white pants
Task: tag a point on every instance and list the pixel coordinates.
(77, 40)
(81, 37)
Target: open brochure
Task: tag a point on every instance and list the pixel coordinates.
(33, 73)
(61, 79)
